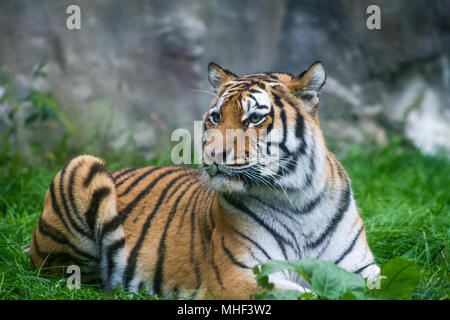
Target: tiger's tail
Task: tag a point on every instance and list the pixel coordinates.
(81, 199)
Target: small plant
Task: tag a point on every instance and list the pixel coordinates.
(399, 277)
(39, 115)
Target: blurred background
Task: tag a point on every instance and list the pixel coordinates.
(134, 70)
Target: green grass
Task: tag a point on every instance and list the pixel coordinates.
(403, 198)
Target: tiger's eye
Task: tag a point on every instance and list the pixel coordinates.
(255, 118)
(215, 117)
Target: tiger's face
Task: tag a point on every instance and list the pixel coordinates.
(258, 128)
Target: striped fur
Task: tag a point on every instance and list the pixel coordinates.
(179, 230)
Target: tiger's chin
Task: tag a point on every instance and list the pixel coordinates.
(223, 183)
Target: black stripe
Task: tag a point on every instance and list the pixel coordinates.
(61, 190)
(288, 230)
(132, 258)
(256, 244)
(72, 197)
(277, 100)
(207, 231)
(141, 285)
(282, 144)
(62, 257)
(300, 127)
(72, 221)
(291, 164)
(158, 277)
(197, 212)
(364, 267)
(344, 203)
(117, 221)
(97, 167)
(122, 173)
(270, 127)
(253, 98)
(136, 181)
(192, 219)
(214, 265)
(110, 252)
(232, 258)
(323, 249)
(56, 208)
(49, 257)
(278, 238)
(198, 278)
(118, 184)
(350, 248)
(92, 211)
(312, 169)
(36, 246)
(57, 236)
(306, 209)
(278, 209)
(209, 203)
(186, 207)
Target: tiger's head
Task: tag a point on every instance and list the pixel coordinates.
(262, 130)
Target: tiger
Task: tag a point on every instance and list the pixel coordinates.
(186, 231)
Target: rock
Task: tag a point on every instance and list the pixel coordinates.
(144, 64)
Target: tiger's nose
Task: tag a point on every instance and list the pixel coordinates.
(215, 155)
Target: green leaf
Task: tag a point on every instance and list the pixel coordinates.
(401, 277)
(308, 296)
(327, 280)
(304, 267)
(348, 295)
(282, 295)
(31, 118)
(39, 69)
(262, 281)
(331, 282)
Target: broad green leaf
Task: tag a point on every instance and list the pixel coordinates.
(331, 282)
(262, 281)
(348, 295)
(308, 296)
(401, 278)
(304, 267)
(327, 280)
(282, 295)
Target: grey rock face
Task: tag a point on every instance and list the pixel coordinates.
(137, 69)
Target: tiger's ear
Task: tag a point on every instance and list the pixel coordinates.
(218, 76)
(307, 85)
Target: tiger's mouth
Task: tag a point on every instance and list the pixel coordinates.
(224, 178)
(231, 171)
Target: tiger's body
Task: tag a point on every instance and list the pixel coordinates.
(179, 230)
